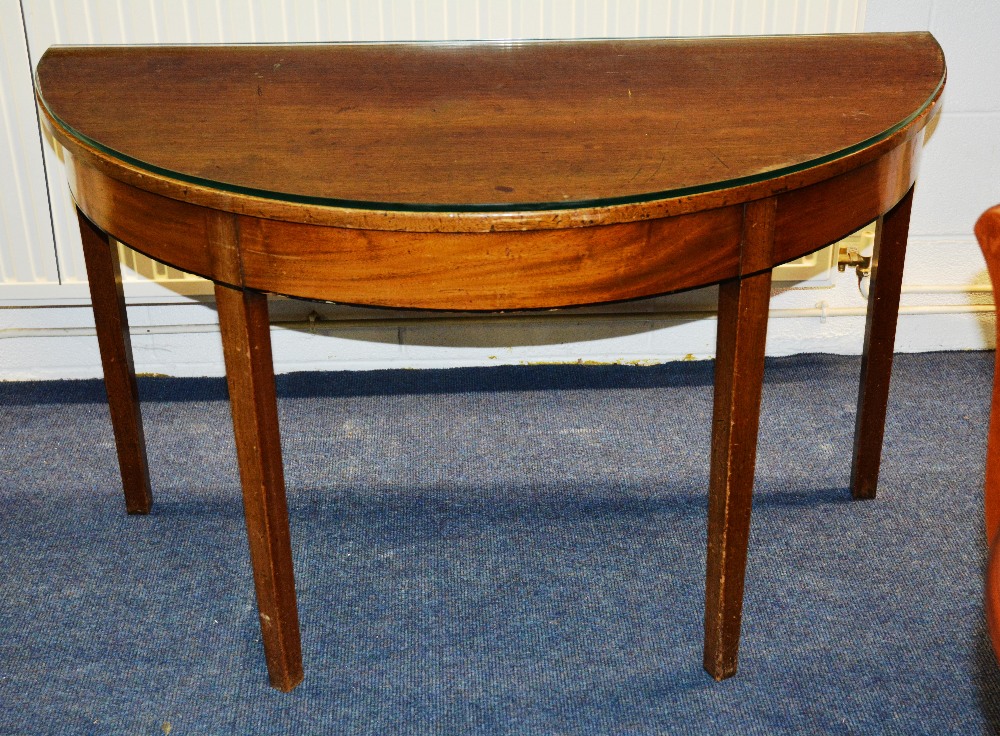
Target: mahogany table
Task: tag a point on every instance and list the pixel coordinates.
(492, 176)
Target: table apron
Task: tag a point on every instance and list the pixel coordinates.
(489, 271)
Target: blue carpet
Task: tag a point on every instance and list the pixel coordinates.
(500, 551)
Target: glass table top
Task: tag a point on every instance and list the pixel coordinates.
(490, 126)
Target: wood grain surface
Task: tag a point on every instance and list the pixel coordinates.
(397, 130)
(487, 271)
(880, 335)
(111, 321)
(492, 271)
(988, 234)
(739, 374)
(246, 343)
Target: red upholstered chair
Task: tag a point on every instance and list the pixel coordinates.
(988, 233)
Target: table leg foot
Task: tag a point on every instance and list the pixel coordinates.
(246, 343)
(880, 335)
(108, 300)
(739, 374)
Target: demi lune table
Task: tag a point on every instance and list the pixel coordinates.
(487, 177)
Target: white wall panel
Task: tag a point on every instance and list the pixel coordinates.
(949, 198)
(26, 248)
(973, 68)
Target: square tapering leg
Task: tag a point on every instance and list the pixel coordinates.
(246, 342)
(108, 300)
(739, 375)
(880, 335)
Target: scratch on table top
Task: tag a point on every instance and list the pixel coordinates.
(717, 157)
(663, 157)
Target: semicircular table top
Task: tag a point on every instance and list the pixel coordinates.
(496, 127)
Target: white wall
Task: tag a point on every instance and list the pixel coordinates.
(945, 303)
(960, 171)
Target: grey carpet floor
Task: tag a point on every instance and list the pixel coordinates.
(500, 551)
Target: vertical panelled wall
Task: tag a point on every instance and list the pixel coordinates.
(27, 256)
(35, 253)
